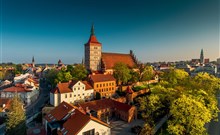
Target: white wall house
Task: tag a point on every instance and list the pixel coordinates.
(28, 94)
(21, 78)
(71, 92)
(81, 123)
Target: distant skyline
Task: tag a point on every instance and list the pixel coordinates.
(156, 30)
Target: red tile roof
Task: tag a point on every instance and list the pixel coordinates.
(75, 123)
(59, 112)
(105, 103)
(110, 59)
(66, 87)
(88, 85)
(16, 89)
(102, 78)
(93, 39)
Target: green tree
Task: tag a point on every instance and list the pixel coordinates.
(150, 107)
(79, 72)
(175, 77)
(147, 130)
(69, 68)
(147, 73)
(2, 75)
(16, 124)
(18, 69)
(121, 73)
(51, 77)
(188, 116)
(134, 76)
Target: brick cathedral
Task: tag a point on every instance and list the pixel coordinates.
(96, 60)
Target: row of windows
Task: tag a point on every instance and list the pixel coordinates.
(106, 89)
(79, 88)
(70, 95)
(105, 84)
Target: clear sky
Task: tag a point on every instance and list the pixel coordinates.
(156, 30)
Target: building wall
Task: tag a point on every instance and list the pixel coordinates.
(93, 55)
(106, 89)
(99, 128)
(26, 97)
(79, 93)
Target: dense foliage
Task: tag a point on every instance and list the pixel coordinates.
(64, 75)
(190, 101)
(16, 124)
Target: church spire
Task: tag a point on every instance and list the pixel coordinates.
(201, 56)
(33, 59)
(92, 30)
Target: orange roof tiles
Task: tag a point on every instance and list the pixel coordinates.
(110, 59)
(88, 86)
(73, 124)
(105, 103)
(93, 39)
(59, 112)
(16, 89)
(76, 122)
(102, 78)
(66, 87)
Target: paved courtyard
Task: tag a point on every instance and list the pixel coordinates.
(120, 127)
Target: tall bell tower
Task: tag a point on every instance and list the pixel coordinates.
(93, 52)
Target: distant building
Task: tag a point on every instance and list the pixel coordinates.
(201, 61)
(104, 84)
(96, 60)
(218, 61)
(66, 119)
(71, 92)
(60, 64)
(33, 62)
(27, 93)
(201, 57)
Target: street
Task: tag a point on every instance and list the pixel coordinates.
(214, 127)
(43, 99)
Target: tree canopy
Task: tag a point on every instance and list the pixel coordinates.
(16, 124)
(190, 101)
(121, 73)
(79, 72)
(188, 116)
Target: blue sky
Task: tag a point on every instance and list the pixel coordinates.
(157, 30)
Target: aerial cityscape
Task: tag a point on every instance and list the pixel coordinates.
(109, 67)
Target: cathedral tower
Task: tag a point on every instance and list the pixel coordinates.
(93, 53)
(33, 62)
(201, 57)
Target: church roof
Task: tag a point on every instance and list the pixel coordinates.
(110, 59)
(93, 38)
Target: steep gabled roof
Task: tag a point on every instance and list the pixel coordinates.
(102, 78)
(66, 87)
(110, 59)
(72, 124)
(105, 103)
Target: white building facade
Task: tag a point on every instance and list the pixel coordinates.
(71, 92)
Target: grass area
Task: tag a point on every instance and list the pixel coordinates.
(137, 88)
